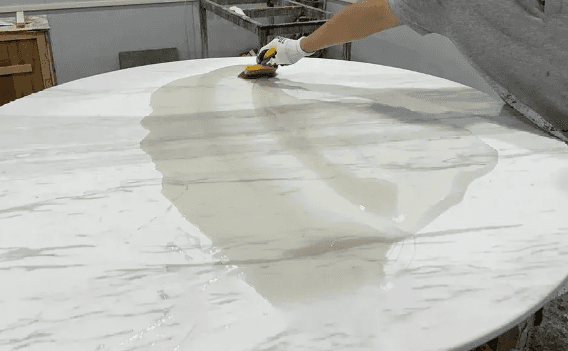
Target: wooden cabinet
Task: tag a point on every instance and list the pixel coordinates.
(26, 59)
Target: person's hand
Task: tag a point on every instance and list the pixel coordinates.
(288, 51)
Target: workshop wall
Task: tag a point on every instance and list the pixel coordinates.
(88, 42)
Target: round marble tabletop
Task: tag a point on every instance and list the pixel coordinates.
(336, 206)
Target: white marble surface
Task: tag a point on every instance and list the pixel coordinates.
(337, 206)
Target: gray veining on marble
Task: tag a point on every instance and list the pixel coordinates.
(339, 205)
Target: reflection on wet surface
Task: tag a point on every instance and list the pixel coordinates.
(313, 192)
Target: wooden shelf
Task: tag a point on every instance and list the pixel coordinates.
(26, 59)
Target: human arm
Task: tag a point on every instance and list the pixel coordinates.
(355, 22)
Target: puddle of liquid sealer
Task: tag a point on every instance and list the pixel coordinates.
(268, 185)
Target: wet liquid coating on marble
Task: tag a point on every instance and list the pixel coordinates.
(343, 210)
(307, 190)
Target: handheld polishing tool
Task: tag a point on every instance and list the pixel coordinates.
(262, 70)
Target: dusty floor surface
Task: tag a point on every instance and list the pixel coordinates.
(552, 334)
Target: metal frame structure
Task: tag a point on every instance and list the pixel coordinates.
(264, 31)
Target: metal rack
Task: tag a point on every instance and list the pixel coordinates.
(264, 31)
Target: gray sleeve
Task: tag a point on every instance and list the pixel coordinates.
(423, 16)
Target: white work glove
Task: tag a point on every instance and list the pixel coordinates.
(288, 51)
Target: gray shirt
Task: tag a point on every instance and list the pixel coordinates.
(520, 47)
